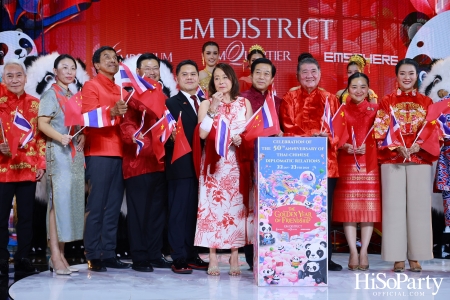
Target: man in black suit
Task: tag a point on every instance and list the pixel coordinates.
(182, 180)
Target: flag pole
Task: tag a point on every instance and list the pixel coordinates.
(3, 133)
(70, 128)
(420, 131)
(78, 131)
(154, 125)
(367, 135)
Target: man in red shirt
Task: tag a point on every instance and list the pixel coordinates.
(103, 151)
(18, 174)
(301, 114)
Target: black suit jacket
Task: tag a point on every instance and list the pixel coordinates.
(184, 166)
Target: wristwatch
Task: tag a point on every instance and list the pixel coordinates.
(211, 114)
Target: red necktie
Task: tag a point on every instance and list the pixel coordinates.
(194, 98)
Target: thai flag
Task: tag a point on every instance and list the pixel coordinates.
(268, 114)
(357, 165)
(170, 123)
(392, 131)
(140, 144)
(132, 79)
(22, 123)
(327, 117)
(200, 93)
(222, 136)
(97, 118)
(443, 123)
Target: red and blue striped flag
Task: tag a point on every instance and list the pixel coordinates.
(134, 80)
(327, 118)
(98, 118)
(392, 132)
(140, 144)
(357, 165)
(222, 136)
(22, 123)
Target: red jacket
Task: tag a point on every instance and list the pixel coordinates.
(301, 115)
(146, 161)
(410, 111)
(32, 157)
(101, 91)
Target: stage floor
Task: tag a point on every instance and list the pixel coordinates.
(164, 284)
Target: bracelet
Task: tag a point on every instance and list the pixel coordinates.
(211, 113)
(206, 124)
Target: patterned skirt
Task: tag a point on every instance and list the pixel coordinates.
(357, 197)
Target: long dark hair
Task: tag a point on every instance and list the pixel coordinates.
(229, 72)
(61, 57)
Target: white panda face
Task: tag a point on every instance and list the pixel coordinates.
(268, 235)
(295, 259)
(268, 272)
(265, 227)
(312, 266)
(15, 45)
(317, 251)
(436, 84)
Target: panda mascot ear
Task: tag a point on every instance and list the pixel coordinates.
(323, 244)
(166, 72)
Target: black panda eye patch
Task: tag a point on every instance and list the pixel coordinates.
(437, 79)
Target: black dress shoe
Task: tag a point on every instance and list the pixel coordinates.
(4, 267)
(180, 266)
(114, 263)
(161, 262)
(197, 263)
(24, 267)
(142, 266)
(96, 265)
(332, 266)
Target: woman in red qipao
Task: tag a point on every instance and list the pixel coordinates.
(357, 193)
(405, 172)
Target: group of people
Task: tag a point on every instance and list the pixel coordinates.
(207, 196)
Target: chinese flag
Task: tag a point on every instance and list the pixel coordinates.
(340, 126)
(159, 133)
(371, 153)
(13, 135)
(431, 142)
(72, 111)
(438, 108)
(181, 146)
(155, 100)
(255, 126)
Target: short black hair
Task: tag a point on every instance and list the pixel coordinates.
(186, 62)
(264, 61)
(358, 75)
(307, 60)
(304, 55)
(407, 61)
(98, 53)
(146, 56)
(61, 57)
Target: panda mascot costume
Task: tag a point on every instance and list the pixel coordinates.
(40, 78)
(436, 85)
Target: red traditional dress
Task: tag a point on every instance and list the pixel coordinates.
(357, 197)
(301, 115)
(245, 83)
(223, 220)
(23, 166)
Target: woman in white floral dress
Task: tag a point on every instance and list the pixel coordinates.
(224, 217)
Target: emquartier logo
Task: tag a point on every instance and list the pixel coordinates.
(400, 285)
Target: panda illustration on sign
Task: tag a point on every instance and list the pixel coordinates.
(15, 44)
(316, 266)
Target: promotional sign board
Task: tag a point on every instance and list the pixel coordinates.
(291, 197)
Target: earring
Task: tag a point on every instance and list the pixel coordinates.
(203, 61)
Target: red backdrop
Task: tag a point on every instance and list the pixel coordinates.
(175, 30)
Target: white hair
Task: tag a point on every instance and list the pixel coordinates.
(14, 62)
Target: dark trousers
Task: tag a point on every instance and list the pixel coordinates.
(146, 197)
(331, 185)
(183, 205)
(24, 192)
(105, 183)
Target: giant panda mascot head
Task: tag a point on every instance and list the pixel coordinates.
(436, 85)
(165, 70)
(15, 45)
(40, 76)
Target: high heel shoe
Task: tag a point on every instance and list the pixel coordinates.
(58, 272)
(352, 267)
(71, 269)
(234, 270)
(399, 267)
(414, 266)
(364, 267)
